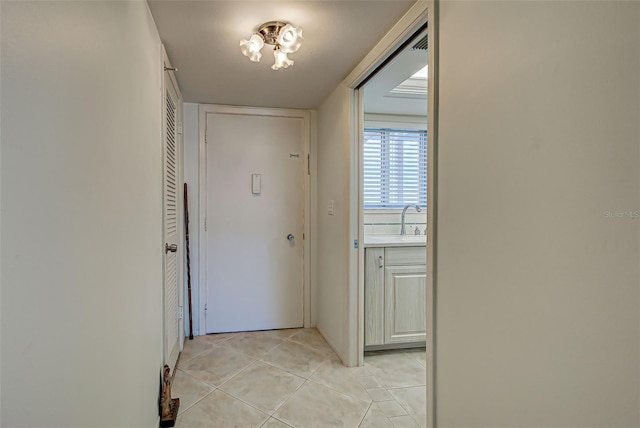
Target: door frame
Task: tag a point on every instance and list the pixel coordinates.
(203, 111)
(421, 13)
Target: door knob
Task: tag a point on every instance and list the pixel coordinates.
(173, 248)
(290, 237)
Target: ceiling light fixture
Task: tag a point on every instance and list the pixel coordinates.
(285, 38)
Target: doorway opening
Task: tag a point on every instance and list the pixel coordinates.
(395, 173)
(393, 194)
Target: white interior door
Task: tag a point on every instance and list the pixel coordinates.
(172, 221)
(254, 272)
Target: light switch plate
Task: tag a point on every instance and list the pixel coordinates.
(256, 184)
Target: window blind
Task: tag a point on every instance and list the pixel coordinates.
(395, 168)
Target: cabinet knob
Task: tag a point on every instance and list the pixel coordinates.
(380, 262)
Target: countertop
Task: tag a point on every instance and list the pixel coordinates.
(395, 241)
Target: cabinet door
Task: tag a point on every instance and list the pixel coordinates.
(374, 296)
(405, 304)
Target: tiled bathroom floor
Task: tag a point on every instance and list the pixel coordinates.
(292, 378)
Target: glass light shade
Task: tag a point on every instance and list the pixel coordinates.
(251, 48)
(290, 38)
(281, 60)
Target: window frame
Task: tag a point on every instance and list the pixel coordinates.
(413, 124)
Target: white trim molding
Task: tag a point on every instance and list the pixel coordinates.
(421, 12)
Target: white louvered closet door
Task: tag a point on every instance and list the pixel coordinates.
(171, 192)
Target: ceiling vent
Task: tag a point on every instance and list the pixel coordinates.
(421, 45)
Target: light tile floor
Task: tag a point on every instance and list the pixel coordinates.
(292, 378)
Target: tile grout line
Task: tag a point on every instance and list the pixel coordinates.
(253, 360)
(236, 374)
(393, 398)
(261, 360)
(326, 355)
(181, 361)
(197, 379)
(281, 404)
(305, 380)
(340, 392)
(285, 402)
(213, 346)
(389, 389)
(196, 402)
(366, 413)
(283, 369)
(248, 404)
(306, 342)
(279, 420)
(400, 404)
(281, 341)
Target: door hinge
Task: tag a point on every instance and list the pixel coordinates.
(180, 312)
(205, 310)
(205, 224)
(308, 164)
(180, 128)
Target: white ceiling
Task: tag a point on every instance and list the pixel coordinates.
(202, 40)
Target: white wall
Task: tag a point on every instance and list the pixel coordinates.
(538, 309)
(334, 319)
(81, 222)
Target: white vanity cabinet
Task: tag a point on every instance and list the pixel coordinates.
(395, 295)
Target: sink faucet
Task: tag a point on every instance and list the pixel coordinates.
(404, 212)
